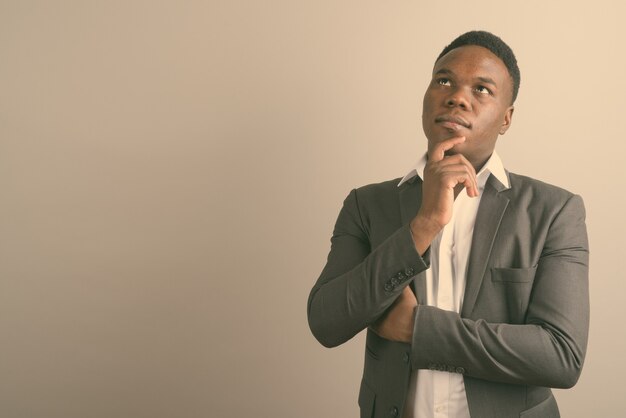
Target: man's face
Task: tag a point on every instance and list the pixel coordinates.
(469, 95)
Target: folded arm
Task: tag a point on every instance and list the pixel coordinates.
(358, 285)
(549, 348)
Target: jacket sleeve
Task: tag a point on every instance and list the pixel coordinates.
(548, 349)
(358, 283)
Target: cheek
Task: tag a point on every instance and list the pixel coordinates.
(428, 100)
(426, 115)
(491, 123)
(425, 107)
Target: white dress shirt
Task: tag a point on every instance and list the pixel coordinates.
(437, 394)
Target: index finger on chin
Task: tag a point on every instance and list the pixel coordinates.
(440, 149)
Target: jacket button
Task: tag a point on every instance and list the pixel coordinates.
(409, 271)
(388, 287)
(394, 281)
(393, 412)
(432, 366)
(460, 370)
(406, 357)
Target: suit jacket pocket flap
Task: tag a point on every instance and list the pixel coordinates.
(515, 275)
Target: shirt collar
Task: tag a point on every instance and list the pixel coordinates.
(492, 166)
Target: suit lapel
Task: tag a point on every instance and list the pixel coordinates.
(410, 200)
(490, 212)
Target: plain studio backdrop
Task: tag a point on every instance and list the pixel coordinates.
(171, 171)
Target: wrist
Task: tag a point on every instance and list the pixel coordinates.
(423, 232)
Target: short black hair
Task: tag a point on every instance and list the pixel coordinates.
(493, 43)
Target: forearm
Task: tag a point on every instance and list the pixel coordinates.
(546, 345)
(341, 305)
(528, 354)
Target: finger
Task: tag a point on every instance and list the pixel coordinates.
(455, 159)
(469, 184)
(440, 149)
(463, 174)
(472, 191)
(458, 162)
(454, 178)
(451, 178)
(452, 170)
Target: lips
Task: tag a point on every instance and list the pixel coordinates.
(452, 122)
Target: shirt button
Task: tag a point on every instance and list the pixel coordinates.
(439, 408)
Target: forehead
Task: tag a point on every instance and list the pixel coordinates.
(474, 61)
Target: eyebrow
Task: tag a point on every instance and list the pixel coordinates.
(486, 80)
(444, 71)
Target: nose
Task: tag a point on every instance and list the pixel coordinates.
(458, 97)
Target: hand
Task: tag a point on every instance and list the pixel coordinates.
(397, 322)
(444, 177)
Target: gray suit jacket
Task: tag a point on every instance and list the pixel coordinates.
(525, 316)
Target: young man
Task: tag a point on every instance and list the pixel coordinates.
(472, 281)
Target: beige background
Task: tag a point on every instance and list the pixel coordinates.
(170, 173)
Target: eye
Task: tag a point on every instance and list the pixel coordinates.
(443, 81)
(483, 90)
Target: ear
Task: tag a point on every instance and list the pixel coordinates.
(508, 117)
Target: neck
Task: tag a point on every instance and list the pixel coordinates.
(480, 164)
